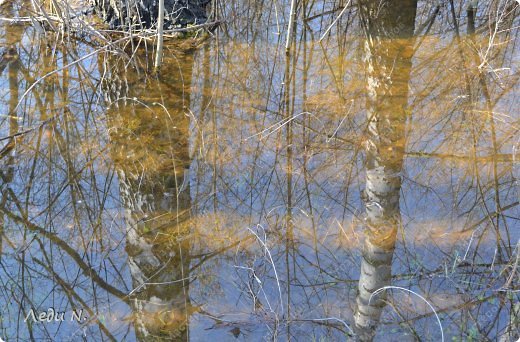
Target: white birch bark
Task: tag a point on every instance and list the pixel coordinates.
(151, 154)
(388, 53)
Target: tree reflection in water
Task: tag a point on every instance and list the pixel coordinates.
(397, 128)
(149, 144)
(388, 57)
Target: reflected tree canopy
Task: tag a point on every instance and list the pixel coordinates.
(258, 187)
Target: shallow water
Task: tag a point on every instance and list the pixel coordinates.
(245, 193)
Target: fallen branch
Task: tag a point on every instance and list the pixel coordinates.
(149, 32)
(23, 20)
(12, 136)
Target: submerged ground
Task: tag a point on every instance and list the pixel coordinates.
(245, 193)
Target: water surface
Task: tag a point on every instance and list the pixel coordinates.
(246, 193)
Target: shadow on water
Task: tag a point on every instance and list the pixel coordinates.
(249, 192)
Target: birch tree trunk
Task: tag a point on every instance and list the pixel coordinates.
(388, 25)
(149, 147)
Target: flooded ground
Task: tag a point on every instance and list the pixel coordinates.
(362, 185)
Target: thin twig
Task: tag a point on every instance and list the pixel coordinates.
(415, 293)
(160, 28)
(272, 263)
(291, 25)
(29, 130)
(335, 21)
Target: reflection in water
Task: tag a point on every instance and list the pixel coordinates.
(388, 59)
(277, 143)
(149, 146)
(9, 58)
